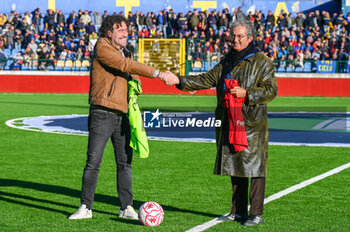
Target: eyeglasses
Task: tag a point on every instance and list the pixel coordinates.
(239, 37)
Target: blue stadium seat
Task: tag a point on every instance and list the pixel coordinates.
(307, 67)
(281, 69)
(213, 64)
(66, 68)
(14, 52)
(84, 69)
(7, 52)
(298, 69)
(289, 69)
(205, 66)
(195, 69)
(25, 67)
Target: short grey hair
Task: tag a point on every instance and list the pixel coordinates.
(244, 21)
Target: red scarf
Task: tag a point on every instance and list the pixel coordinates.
(237, 133)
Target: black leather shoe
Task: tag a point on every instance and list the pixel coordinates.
(254, 220)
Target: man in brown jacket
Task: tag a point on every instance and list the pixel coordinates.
(112, 67)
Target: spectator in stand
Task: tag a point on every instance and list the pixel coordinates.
(149, 21)
(71, 30)
(194, 20)
(70, 55)
(61, 30)
(326, 21)
(3, 20)
(318, 19)
(343, 58)
(300, 20)
(93, 39)
(80, 13)
(10, 34)
(270, 20)
(182, 21)
(90, 28)
(63, 54)
(310, 20)
(79, 54)
(213, 19)
(347, 23)
(27, 38)
(80, 28)
(291, 22)
(72, 47)
(198, 55)
(141, 21)
(97, 20)
(28, 57)
(44, 55)
(104, 16)
(50, 19)
(85, 18)
(18, 39)
(52, 37)
(223, 22)
(282, 20)
(2, 59)
(60, 18)
(144, 33)
(72, 19)
(33, 46)
(161, 22)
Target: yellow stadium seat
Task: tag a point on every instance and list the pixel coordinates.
(77, 63)
(60, 63)
(68, 63)
(197, 64)
(85, 63)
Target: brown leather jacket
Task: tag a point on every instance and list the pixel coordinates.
(109, 75)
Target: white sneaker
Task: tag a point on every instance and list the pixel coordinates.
(82, 213)
(129, 212)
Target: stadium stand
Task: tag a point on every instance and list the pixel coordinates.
(66, 39)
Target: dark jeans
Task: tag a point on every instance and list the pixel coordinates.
(240, 195)
(103, 125)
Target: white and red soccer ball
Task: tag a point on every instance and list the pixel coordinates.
(151, 214)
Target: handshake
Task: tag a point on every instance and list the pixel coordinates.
(169, 78)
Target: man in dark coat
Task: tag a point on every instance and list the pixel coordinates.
(257, 85)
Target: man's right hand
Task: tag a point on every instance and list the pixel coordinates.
(169, 78)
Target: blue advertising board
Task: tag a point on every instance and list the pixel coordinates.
(326, 66)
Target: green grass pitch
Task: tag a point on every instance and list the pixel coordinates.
(40, 175)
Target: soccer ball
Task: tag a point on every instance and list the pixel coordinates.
(151, 214)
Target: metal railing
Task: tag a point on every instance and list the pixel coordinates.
(45, 64)
(282, 66)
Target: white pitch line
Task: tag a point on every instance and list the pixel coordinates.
(276, 196)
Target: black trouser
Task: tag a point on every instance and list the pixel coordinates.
(104, 124)
(240, 195)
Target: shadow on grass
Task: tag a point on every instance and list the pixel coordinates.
(102, 198)
(128, 221)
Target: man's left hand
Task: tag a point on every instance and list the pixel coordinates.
(238, 92)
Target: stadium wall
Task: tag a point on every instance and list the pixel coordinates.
(290, 84)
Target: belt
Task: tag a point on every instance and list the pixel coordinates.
(97, 107)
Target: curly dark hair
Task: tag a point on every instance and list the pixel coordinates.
(108, 23)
